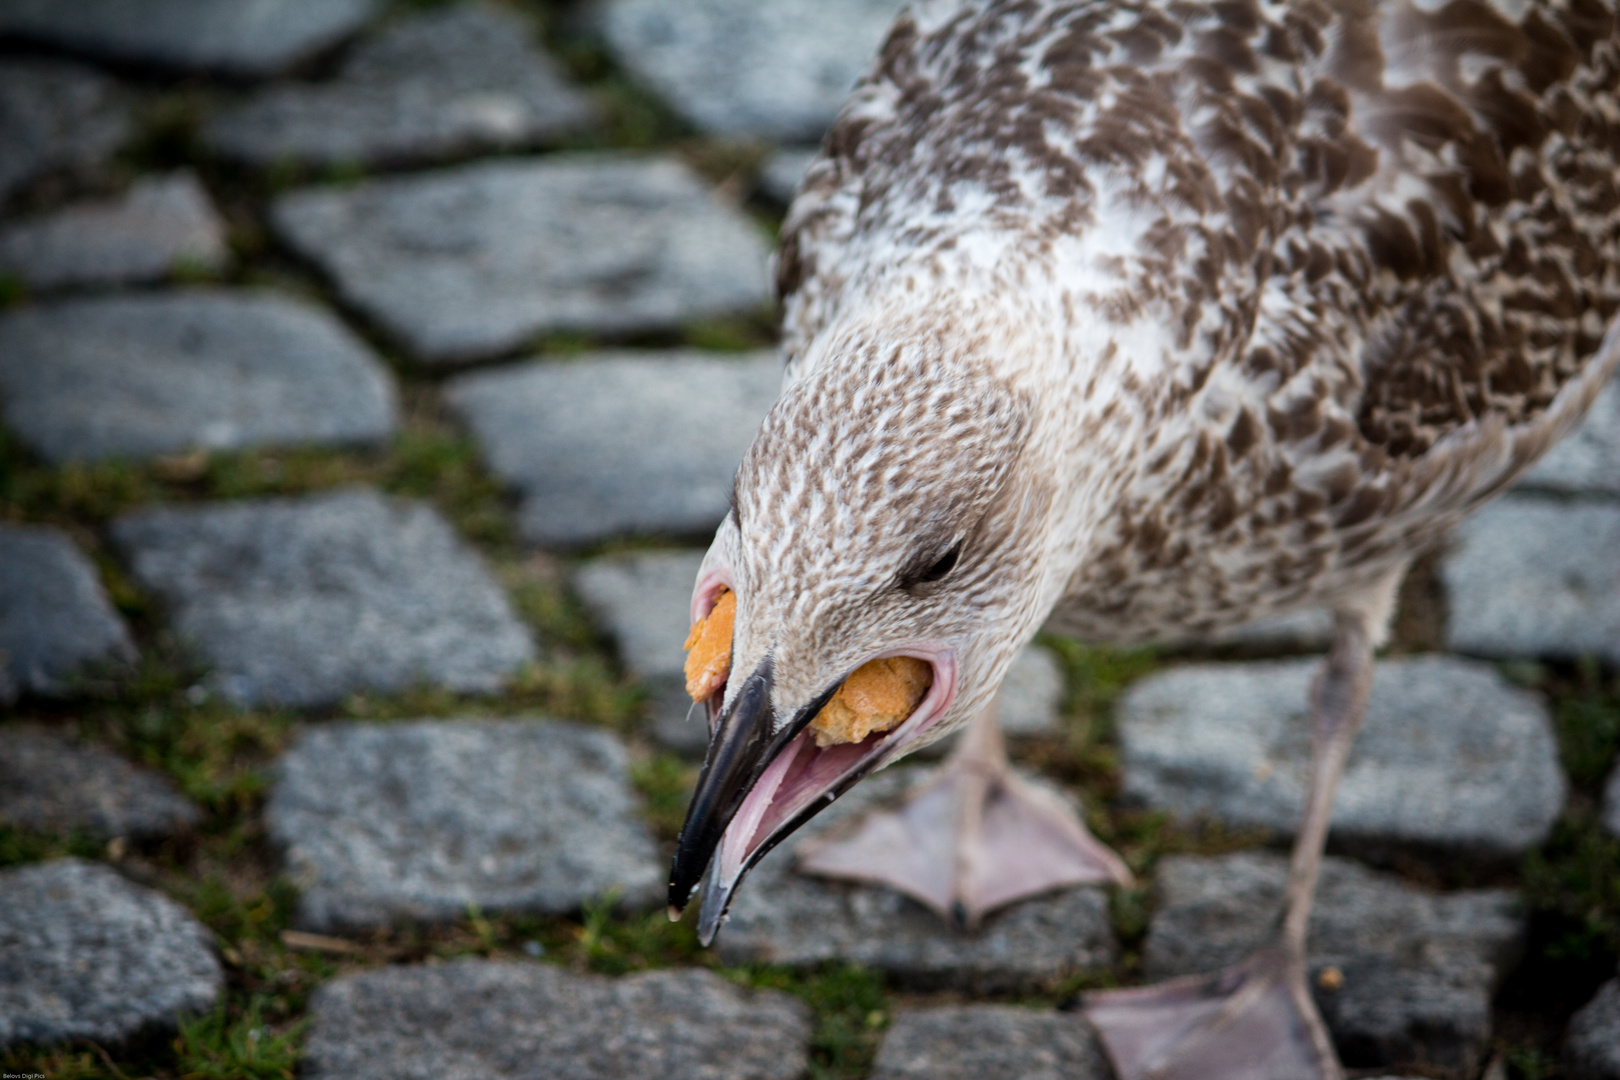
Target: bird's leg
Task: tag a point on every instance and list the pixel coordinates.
(973, 838)
(1256, 1019)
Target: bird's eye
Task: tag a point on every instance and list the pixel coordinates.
(943, 565)
(936, 570)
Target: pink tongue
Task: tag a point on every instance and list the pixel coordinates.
(734, 845)
(799, 774)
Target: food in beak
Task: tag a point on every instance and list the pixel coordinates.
(708, 648)
(878, 696)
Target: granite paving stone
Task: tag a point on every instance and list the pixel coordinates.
(85, 954)
(56, 621)
(1536, 577)
(789, 64)
(56, 115)
(415, 821)
(49, 784)
(508, 1021)
(616, 443)
(241, 39)
(1588, 460)
(1032, 693)
(1450, 756)
(148, 374)
(441, 83)
(1592, 1043)
(161, 224)
(643, 601)
(783, 917)
(779, 179)
(990, 1042)
(475, 261)
(1418, 969)
(302, 601)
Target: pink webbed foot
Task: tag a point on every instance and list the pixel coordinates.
(1252, 1021)
(974, 838)
(1255, 1020)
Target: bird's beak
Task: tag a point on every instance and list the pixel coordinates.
(738, 753)
(761, 781)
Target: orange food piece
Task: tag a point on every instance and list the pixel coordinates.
(878, 696)
(708, 648)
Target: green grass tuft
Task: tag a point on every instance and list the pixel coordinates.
(739, 334)
(1573, 880)
(665, 783)
(1588, 726)
(13, 290)
(1575, 877)
(235, 1042)
(19, 846)
(218, 754)
(189, 271)
(613, 943)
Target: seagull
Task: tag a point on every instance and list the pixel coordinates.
(1141, 320)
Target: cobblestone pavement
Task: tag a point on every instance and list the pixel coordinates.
(371, 373)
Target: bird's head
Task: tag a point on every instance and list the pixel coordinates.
(889, 506)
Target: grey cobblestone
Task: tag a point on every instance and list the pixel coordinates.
(1536, 577)
(84, 954)
(1449, 757)
(160, 225)
(616, 443)
(643, 600)
(56, 115)
(780, 177)
(477, 261)
(789, 64)
(48, 784)
(148, 374)
(1592, 1045)
(242, 40)
(990, 1042)
(503, 1021)
(302, 601)
(397, 821)
(55, 619)
(441, 83)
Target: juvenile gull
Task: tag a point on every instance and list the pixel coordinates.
(1138, 320)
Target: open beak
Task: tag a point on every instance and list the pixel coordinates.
(762, 780)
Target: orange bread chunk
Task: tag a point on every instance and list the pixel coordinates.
(708, 648)
(878, 696)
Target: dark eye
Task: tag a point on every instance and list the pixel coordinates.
(929, 572)
(942, 565)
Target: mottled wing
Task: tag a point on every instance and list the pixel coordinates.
(1357, 258)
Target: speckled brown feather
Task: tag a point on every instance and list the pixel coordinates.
(1143, 320)
(1314, 278)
